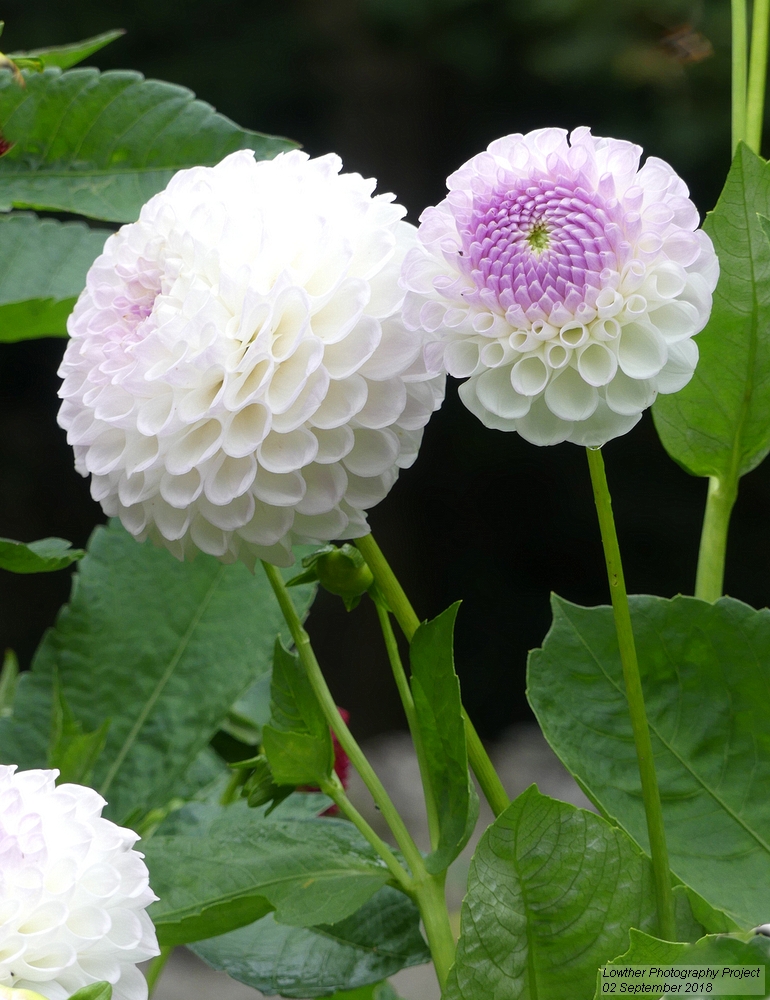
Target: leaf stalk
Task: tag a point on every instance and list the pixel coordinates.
(407, 701)
(482, 766)
(709, 581)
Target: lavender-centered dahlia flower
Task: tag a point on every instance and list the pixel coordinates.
(239, 377)
(565, 282)
(73, 893)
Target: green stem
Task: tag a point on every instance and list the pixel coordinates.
(739, 63)
(156, 966)
(755, 99)
(435, 917)
(411, 717)
(388, 583)
(709, 581)
(483, 768)
(650, 792)
(336, 792)
(337, 723)
(427, 890)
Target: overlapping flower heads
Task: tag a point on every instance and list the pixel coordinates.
(239, 377)
(565, 281)
(73, 893)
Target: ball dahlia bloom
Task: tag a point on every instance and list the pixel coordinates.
(565, 282)
(73, 893)
(238, 376)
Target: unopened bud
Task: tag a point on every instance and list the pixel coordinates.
(341, 571)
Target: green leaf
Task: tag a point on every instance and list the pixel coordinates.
(717, 425)
(712, 921)
(437, 704)
(43, 266)
(298, 743)
(310, 870)
(552, 891)
(96, 991)
(65, 56)
(706, 674)
(71, 750)
(721, 950)
(9, 675)
(101, 144)
(45, 556)
(159, 647)
(380, 938)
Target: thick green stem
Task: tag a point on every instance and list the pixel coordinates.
(337, 723)
(755, 98)
(433, 909)
(483, 768)
(650, 792)
(709, 582)
(155, 968)
(336, 792)
(388, 583)
(407, 701)
(739, 64)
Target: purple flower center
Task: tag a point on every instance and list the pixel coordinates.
(542, 244)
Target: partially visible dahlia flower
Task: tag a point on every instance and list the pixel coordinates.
(566, 281)
(73, 893)
(239, 377)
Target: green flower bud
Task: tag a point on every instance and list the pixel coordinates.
(341, 571)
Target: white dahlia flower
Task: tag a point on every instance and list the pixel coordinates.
(566, 281)
(239, 378)
(73, 893)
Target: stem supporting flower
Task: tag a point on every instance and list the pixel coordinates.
(635, 696)
(426, 889)
(755, 95)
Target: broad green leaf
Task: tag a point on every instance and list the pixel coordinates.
(380, 938)
(552, 892)
(96, 991)
(159, 647)
(436, 692)
(101, 144)
(297, 742)
(722, 950)
(45, 556)
(65, 56)
(717, 425)
(309, 870)
(706, 675)
(43, 266)
(72, 751)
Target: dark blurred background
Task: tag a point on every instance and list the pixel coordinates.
(406, 90)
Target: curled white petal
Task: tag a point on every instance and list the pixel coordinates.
(239, 364)
(73, 892)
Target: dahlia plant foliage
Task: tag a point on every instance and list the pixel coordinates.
(252, 356)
